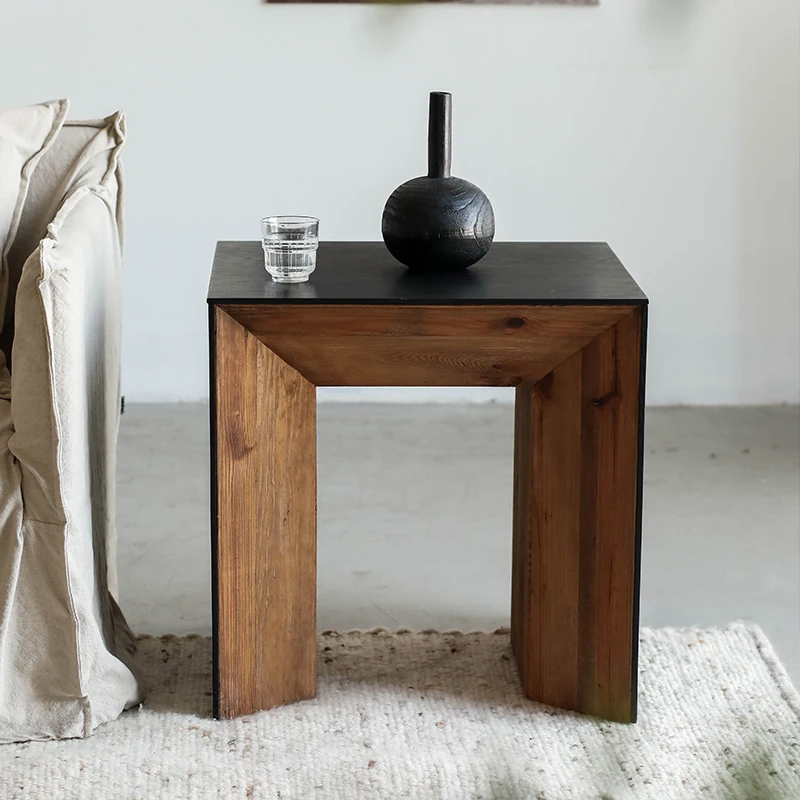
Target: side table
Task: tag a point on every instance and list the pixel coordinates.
(563, 323)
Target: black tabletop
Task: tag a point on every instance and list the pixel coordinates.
(549, 273)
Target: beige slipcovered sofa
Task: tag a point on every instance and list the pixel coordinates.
(65, 649)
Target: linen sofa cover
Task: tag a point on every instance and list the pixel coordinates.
(25, 136)
(65, 649)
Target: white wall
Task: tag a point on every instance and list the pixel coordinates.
(669, 128)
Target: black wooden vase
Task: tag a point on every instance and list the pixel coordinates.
(438, 222)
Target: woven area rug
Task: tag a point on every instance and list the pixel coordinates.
(440, 715)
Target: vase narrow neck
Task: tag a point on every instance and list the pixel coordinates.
(440, 135)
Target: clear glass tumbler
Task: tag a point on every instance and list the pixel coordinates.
(290, 247)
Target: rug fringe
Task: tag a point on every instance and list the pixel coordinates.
(168, 637)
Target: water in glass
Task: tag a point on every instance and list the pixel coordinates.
(290, 247)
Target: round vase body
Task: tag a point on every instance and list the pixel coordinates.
(438, 223)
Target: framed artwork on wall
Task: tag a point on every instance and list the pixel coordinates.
(494, 2)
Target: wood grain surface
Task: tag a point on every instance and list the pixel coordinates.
(264, 462)
(577, 484)
(341, 345)
(578, 370)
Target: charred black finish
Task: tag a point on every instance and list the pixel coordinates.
(438, 222)
(513, 273)
(440, 135)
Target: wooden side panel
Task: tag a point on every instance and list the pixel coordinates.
(547, 543)
(577, 526)
(425, 345)
(265, 528)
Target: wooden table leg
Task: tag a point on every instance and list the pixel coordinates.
(577, 526)
(264, 501)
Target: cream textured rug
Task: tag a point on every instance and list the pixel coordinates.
(432, 715)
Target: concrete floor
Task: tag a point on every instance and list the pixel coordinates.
(415, 518)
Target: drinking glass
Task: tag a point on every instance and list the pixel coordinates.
(290, 247)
